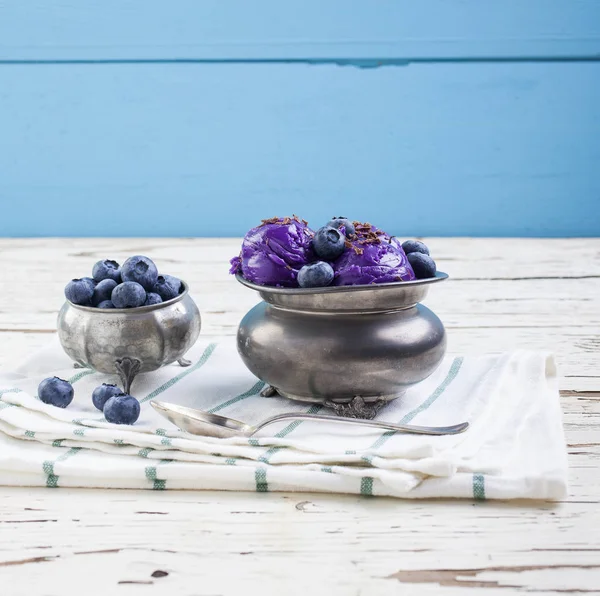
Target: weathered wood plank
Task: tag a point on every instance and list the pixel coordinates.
(310, 30)
(404, 146)
(370, 545)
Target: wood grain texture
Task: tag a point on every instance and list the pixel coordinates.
(452, 149)
(209, 543)
(308, 30)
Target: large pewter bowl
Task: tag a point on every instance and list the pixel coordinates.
(352, 348)
(128, 341)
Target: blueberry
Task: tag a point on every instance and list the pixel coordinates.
(175, 282)
(411, 246)
(329, 243)
(152, 298)
(165, 288)
(107, 270)
(56, 392)
(103, 290)
(141, 270)
(122, 409)
(103, 393)
(317, 275)
(423, 265)
(338, 222)
(106, 304)
(80, 291)
(129, 294)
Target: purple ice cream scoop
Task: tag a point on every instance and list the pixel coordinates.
(373, 258)
(274, 252)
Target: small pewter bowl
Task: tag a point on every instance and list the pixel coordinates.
(128, 341)
(352, 348)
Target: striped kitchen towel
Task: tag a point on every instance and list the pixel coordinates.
(514, 447)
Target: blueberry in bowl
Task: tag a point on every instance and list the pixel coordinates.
(106, 269)
(141, 270)
(80, 291)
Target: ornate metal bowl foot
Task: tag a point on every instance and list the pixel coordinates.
(127, 369)
(269, 391)
(184, 362)
(357, 408)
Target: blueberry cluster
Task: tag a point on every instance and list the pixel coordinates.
(330, 242)
(136, 283)
(118, 407)
(418, 256)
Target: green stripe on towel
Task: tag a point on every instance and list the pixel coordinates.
(48, 466)
(254, 390)
(479, 487)
(261, 473)
(366, 486)
(81, 374)
(260, 477)
(452, 374)
(150, 473)
(188, 371)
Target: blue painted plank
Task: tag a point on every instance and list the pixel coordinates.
(307, 30)
(208, 150)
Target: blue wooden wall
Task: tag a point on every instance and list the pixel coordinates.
(198, 118)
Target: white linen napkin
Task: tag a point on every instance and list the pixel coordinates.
(514, 447)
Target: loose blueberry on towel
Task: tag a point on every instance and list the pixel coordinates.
(103, 291)
(317, 275)
(411, 246)
(80, 291)
(329, 243)
(122, 409)
(423, 265)
(152, 298)
(140, 269)
(129, 294)
(103, 393)
(338, 222)
(56, 392)
(107, 269)
(166, 288)
(106, 304)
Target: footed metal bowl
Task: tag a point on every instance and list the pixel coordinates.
(352, 348)
(128, 341)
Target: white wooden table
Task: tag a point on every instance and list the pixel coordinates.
(503, 293)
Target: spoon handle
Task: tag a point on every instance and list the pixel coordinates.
(405, 428)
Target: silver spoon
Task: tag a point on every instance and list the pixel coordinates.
(202, 423)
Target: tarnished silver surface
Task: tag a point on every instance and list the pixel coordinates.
(350, 299)
(197, 422)
(153, 335)
(329, 345)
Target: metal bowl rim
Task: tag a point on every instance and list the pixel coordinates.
(439, 276)
(136, 310)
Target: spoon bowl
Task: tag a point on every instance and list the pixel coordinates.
(197, 422)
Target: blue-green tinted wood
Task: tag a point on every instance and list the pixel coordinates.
(185, 150)
(311, 29)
